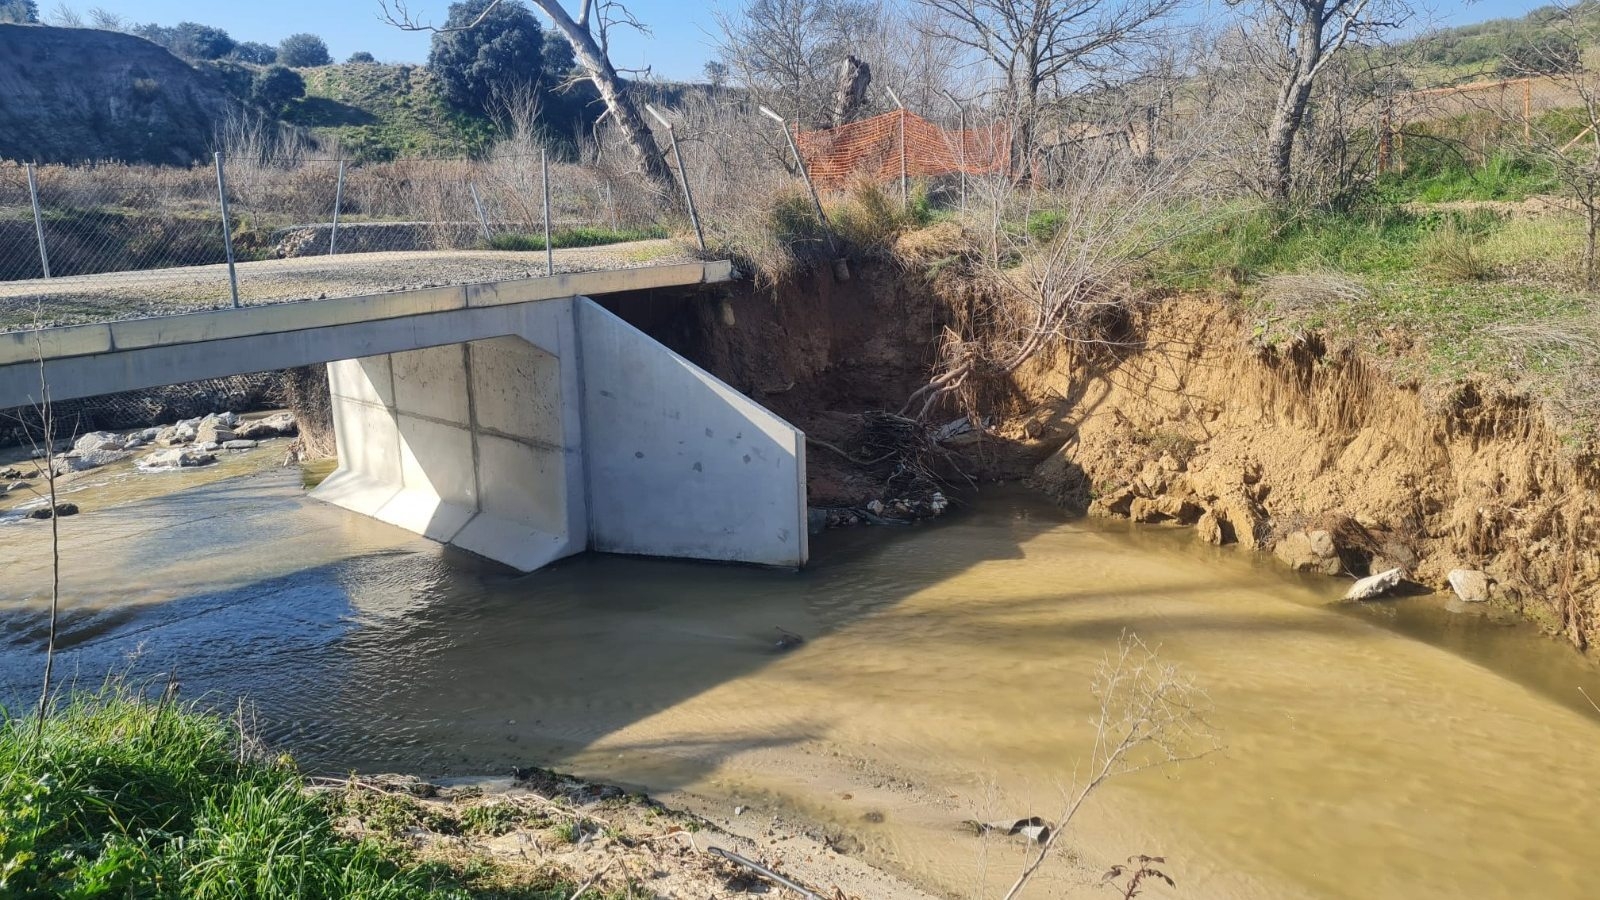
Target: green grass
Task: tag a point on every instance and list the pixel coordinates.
(383, 112)
(585, 236)
(1441, 296)
(126, 797)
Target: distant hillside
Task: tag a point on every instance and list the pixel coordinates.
(1490, 48)
(76, 94)
(379, 112)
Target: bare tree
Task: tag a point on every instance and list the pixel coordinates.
(106, 20)
(1067, 280)
(1294, 42)
(589, 33)
(789, 53)
(64, 16)
(1045, 49)
(1150, 715)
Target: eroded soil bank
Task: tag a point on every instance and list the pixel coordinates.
(1194, 423)
(1186, 421)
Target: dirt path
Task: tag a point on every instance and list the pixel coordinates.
(126, 295)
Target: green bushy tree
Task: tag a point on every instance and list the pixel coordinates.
(502, 52)
(276, 86)
(256, 52)
(303, 51)
(361, 56)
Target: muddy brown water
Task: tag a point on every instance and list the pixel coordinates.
(1399, 750)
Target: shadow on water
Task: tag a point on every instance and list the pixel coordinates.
(422, 658)
(363, 647)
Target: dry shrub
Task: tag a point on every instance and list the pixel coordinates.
(1559, 360)
(1312, 292)
(930, 245)
(865, 218)
(1454, 256)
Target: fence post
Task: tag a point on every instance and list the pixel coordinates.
(483, 220)
(827, 227)
(683, 175)
(38, 221)
(227, 229)
(1527, 109)
(905, 194)
(338, 201)
(544, 185)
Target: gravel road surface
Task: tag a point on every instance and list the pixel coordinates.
(130, 295)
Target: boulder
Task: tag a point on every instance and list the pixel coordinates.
(1469, 584)
(176, 458)
(88, 459)
(215, 429)
(1309, 551)
(239, 445)
(1183, 511)
(98, 440)
(10, 472)
(175, 435)
(1117, 502)
(62, 509)
(1208, 528)
(1374, 586)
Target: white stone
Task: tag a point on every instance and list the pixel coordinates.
(98, 440)
(86, 460)
(1375, 585)
(239, 445)
(1469, 584)
(176, 458)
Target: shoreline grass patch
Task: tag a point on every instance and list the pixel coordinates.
(124, 796)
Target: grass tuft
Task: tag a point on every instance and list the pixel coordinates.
(127, 797)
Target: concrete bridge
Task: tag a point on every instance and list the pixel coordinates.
(518, 420)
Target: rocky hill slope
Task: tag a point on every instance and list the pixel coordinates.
(78, 94)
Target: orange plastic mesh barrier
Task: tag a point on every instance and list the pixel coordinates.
(872, 147)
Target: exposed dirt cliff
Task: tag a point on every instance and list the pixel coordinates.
(1190, 423)
(1194, 425)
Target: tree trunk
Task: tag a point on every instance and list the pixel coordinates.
(854, 78)
(636, 134)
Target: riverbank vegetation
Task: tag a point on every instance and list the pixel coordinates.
(120, 795)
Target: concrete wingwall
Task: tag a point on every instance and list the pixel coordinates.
(476, 444)
(680, 464)
(574, 431)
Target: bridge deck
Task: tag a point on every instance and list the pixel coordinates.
(115, 296)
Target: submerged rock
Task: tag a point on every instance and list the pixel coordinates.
(176, 458)
(82, 461)
(62, 509)
(1469, 584)
(1375, 585)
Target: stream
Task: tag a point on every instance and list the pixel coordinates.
(1412, 748)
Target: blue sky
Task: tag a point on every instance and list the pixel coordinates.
(678, 47)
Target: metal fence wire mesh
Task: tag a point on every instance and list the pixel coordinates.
(153, 239)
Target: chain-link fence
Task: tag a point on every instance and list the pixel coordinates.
(92, 241)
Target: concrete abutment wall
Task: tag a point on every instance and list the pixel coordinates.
(573, 431)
